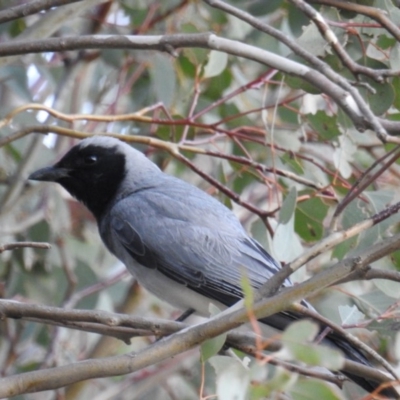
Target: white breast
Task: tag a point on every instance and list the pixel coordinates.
(166, 289)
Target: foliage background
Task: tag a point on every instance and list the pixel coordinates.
(282, 150)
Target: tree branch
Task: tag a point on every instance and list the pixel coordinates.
(349, 100)
(33, 7)
(181, 341)
(123, 327)
(20, 245)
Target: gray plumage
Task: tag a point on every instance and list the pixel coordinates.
(179, 232)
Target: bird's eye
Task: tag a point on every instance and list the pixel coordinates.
(90, 159)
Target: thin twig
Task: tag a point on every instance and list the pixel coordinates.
(348, 336)
(365, 180)
(20, 245)
(32, 7)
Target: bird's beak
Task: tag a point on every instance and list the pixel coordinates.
(49, 174)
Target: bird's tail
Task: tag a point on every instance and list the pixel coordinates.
(354, 354)
(281, 321)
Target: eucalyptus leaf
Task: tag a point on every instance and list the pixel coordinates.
(312, 389)
(286, 243)
(163, 78)
(309, 219)
(211, 347)
(216, 63)
(297, 340)
(288, 206)
(390, 288)
(350, 315)
(282, 380)
(233, 378)
(324, 125)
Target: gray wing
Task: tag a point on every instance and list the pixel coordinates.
(190, 238)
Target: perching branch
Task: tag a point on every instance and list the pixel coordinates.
(54, 378)
(123, 327)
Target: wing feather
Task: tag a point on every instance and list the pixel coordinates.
(191, 239)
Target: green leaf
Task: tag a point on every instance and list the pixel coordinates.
(217, 62)
(17, 27)
(13, 152)
(379, 200)
(385, 42)
(188, 68)
(355, 212)
(386, 329)
(286, 243)
(374, 303)
(137, 15)
(241, 179)
(175, 134)
(247, 291)
(288, 206)
(300, 332)
(390, 288)
(284, 233)
(15, 78)
(396, 259)
(232, 378)
(221, 175)
(289, 115)
(297, 341)
(163, 78)
(318, 355)
(325, 125)
(309, 218)
(295, 19)
(113, 57)
(383, 99)
(343, 155)
(395, 61)
(297, 83)
(86, 277)
(260, 233)
(229, 109)
(384, 95)
(215, 86)
(40, 232)
(350, 315)
(281, 381)
(262, 7)
(342, 249)
(312, 41)
(313, 389)
(211, 347)
(396, 85)
(293, 162)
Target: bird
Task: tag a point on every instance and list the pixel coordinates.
(180, 243)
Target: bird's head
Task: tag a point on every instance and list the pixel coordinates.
(95, 170)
